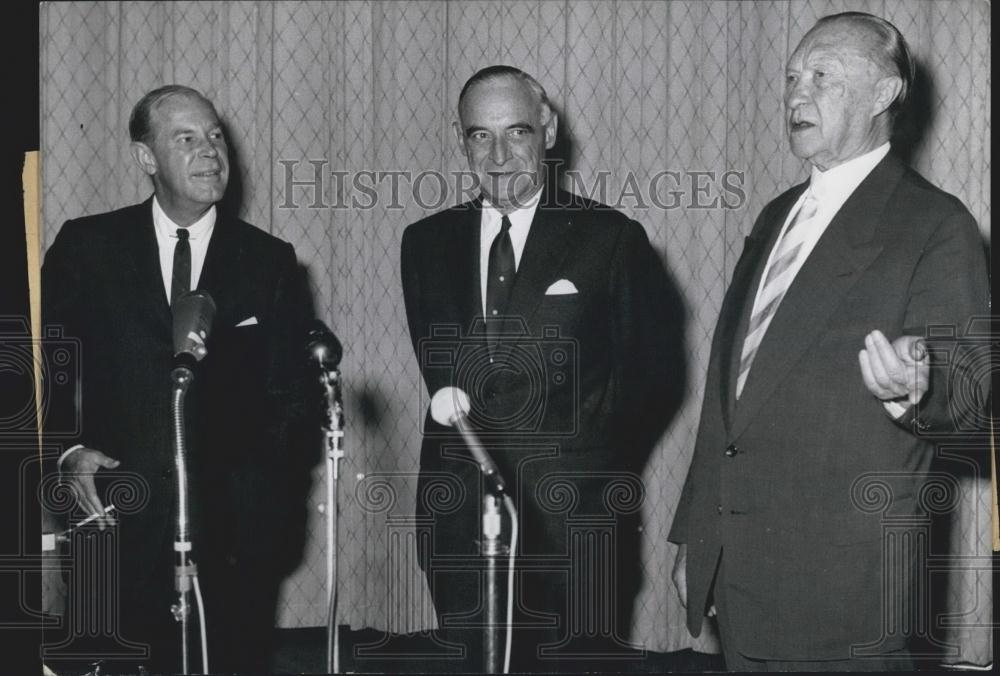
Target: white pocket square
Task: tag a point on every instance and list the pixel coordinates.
(249, 321)
(562, 287)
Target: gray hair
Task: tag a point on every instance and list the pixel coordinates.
(495, 72)
(892, 54)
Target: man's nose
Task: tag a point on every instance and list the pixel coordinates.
(209, 148)
(797, 93)
(499, 151)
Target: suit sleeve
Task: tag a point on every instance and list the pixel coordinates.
(949, 288)
(63, 307)
(287, 364)
(410, 278)
(648, 334)
(288, 452)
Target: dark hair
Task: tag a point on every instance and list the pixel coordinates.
(139, 122)
(892, 54)
(494, 72)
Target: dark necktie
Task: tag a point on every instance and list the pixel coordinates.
(180, 283)
(500, 276)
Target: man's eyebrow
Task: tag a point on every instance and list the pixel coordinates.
(189, 129)
(522, 125)
(517, 125)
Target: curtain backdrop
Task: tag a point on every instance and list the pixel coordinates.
(641, 87)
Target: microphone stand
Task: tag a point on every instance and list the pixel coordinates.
(490, 549)
(450, 407)
(184, 570)
(334, 434)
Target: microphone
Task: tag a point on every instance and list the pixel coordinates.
(450, 407)
(193, 315)
(323, 346)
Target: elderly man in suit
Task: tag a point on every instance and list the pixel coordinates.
(549, 311)
(109, 281)
(819, 381)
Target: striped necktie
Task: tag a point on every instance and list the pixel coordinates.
(777, 278)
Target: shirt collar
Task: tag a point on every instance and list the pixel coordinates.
(167, 228)
(519, 215)
(835, 185)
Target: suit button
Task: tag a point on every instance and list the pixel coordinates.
(167, 473)
(718, 509)
(732, 450)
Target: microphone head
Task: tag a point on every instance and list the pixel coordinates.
(323, 346)
(448, 404)
(193, 314)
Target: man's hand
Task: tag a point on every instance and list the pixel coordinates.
(679, 574)
(893, 371)
(78, 470)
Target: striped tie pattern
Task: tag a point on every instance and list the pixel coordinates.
(777, 278)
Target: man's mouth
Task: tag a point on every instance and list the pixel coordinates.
(214, 173)
(801, 125)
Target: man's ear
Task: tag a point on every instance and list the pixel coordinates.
(551, 127)
(459, 135)
(886, 91)
(143, 156)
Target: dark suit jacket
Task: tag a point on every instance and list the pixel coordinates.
(101, 282)
(574, 399)
(794, 506)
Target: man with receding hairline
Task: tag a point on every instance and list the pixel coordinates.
(820, 391)
(553, 309)
(110, 281)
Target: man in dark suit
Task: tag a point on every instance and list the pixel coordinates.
(550, 311)
(816, 431)
(109, 281)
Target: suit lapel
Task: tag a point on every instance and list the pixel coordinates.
(544, 252)
(844, 251)
(735, 313)
(143, 257)
(222, 266)
(465, 259)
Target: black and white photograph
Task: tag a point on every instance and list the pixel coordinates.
(506, 336)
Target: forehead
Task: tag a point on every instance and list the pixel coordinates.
(846, 43)
(182, 110)
(499, 99)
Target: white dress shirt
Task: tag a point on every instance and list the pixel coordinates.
(199, 234)
(831, 188)
(489, 228)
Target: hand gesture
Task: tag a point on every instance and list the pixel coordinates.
(78, 469)
(896, 370)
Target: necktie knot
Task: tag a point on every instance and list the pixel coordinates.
(810, 205)
(504, 225)
(183, 234)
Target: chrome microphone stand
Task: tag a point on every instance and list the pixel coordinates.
(326, 351)
(184, 569)
(333, 429)
(490, 549)
(193, 314)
